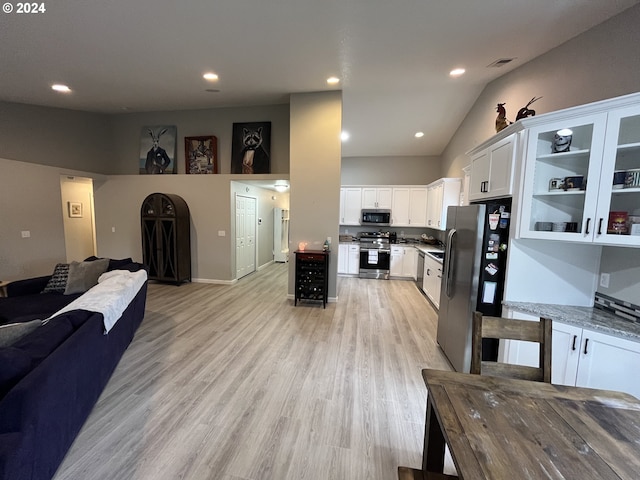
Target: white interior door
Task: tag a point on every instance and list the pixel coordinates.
(245, 235)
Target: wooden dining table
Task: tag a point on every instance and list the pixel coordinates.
(500, 428)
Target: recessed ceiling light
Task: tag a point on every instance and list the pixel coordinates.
(60, 88)
(344, 136)
(333, 80)
(419, 134)
(212, 77)
(456, 72)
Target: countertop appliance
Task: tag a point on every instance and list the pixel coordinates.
(375, 255)
(377, 217)
(473, 276)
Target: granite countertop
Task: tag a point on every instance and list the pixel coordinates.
(586, 317)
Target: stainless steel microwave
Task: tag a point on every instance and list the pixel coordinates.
(379, 217)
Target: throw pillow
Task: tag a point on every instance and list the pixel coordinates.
(84, 275)
(58, 281)
(10, 334)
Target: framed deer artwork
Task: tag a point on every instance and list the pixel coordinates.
(201, 154)
(158, 150)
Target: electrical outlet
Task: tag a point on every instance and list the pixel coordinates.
(604, 280)
(25, 233)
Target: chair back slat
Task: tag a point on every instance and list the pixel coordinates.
(512, 329)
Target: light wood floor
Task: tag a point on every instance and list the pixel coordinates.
(234, 382)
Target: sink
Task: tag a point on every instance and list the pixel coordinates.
(436, 254)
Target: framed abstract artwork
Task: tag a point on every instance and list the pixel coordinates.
(251, 148)
(201, 154)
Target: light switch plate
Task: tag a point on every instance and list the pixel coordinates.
(604, 280)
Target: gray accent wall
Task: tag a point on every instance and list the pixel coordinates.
(316, 119)
(403, 170)
(598, 64)
(56, 137)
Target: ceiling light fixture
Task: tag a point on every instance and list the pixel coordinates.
(333, 80)
(61, 88)
(344, 136)
(419, 134)
(212, 77)
(281, 186)
(456, 72)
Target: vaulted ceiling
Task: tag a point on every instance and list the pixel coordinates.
(392, 58)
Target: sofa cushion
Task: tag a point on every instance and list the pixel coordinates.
(11, 333)
(84, 275)
(58, 281)
(14, 364)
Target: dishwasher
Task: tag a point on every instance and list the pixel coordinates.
(420, 276)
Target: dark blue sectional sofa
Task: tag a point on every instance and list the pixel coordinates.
(51, 378)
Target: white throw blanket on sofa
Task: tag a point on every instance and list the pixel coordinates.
(110, 297)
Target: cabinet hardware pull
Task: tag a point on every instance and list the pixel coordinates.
(586, 342)
(428, 270)
(600, 226)
(573, 346)
(586, 230)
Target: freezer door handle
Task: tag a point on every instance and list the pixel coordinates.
(449, 259)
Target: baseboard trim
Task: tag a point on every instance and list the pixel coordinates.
(214, 281)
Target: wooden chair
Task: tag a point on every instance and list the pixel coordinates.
(406, 473)
(510, 329)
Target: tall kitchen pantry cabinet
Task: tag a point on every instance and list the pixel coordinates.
(166, 239)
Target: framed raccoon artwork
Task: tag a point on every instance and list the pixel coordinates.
(201, 154)
(251, 148)
(158, 150)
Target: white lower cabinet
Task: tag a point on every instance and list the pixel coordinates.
(432, 279)
(348, 259)
(404, 262)
(581, 357)
(591, 359)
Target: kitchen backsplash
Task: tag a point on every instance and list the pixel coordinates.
(623, 309)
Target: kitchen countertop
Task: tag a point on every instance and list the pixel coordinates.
(587, 317)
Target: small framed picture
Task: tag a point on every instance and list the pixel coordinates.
(75, 209)
(201, 154)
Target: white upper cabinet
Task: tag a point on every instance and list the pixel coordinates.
(588, 191)
(376, 197)
(350, 205)
(409, 207)
(492, 170)
(441, 194)
(620, 180)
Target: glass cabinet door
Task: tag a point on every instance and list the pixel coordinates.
(562, 177)
(619, 199)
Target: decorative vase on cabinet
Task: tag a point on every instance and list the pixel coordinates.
(166, 240)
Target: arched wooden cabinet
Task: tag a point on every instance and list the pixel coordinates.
(166, 242)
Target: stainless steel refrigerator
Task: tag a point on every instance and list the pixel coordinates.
(473, 276)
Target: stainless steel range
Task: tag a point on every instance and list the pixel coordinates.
(375, 255)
